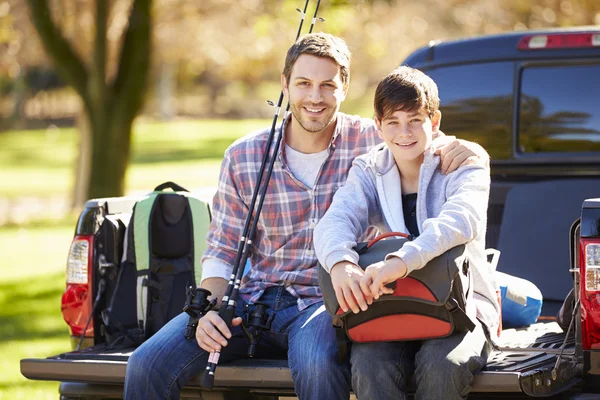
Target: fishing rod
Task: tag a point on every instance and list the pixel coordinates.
(231, 294)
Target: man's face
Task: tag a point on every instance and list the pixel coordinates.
(315, 92)
(408, 134)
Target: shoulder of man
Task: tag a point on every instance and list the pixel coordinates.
(354, 126)
(248, 142)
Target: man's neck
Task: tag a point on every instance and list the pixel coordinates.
(307, 142)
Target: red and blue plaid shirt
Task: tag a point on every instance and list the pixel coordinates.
(282, 250)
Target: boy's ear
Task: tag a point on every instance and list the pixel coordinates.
(378, 125)
(436, 120)
(284, 86)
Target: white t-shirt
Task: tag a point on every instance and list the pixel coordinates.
(305, 167)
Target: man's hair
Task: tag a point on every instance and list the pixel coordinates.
(320, 45)
(406, 89)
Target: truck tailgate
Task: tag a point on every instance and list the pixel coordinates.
(523, 365)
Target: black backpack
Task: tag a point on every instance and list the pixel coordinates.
(162, 254)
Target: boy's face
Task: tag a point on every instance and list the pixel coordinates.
(408, 134)
(315, 92)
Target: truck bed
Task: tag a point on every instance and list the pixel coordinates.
(523, 365)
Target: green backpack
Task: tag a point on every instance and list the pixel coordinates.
(162, 254)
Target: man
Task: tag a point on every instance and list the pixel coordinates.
(317, 150)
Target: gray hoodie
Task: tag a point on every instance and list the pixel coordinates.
(451, 210)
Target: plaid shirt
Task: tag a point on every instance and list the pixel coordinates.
(282, 250)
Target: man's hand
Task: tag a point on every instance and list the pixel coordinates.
(345, 278)
(212, 332)
(380, 274)
(459, 153)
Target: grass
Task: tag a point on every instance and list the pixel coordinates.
(188, 152)
(31, 324)
(39, 164)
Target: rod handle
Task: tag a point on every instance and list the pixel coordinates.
(227, 313)
(208, 380)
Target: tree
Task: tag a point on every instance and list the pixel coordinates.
(109, 104)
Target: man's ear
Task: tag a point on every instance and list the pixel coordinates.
(436, 120)
(284, 86)
(345, 89)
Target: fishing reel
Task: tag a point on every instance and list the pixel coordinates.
(196, 305)
(257, 320)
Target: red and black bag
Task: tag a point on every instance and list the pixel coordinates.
(430, 302)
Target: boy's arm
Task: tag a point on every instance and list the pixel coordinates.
(459, 153)
(338, 231)
(347, 218)
(460, 220)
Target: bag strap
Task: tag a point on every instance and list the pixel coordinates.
(386, 235)
(170, 185)
(459, 316)
(341, 340)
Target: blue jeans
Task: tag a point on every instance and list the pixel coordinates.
(162, 365)
(442, 368)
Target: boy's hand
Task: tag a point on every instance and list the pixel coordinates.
(380, 274)
(459, 153)
(345, 278)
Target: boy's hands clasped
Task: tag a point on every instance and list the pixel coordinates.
(378, 275)
(345, 278)
(355, 289)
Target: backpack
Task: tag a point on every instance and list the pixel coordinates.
(162, 252)
(431, 302)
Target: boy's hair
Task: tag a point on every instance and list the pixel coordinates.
(406, 89)
(320, 45)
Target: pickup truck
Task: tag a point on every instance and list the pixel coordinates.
(530, 99)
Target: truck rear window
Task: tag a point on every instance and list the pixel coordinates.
(558, 109)
(476, 104)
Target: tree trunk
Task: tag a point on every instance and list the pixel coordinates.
(110, 107)
(83, 162)
(17, 119)
(110, 154)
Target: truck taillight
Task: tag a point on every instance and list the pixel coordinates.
(76, 303)
(559, 41)
(589, 264)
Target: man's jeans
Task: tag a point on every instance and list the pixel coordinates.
(441, 368)
(162, 365)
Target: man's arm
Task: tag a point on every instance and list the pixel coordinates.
(229, 212)
(217, 288)
(459, 152)
(212, 332)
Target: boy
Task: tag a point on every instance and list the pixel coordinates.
(398, 186)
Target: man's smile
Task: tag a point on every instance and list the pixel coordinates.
(314, 110)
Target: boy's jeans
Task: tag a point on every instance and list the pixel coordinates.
(162, 365)
(442, 368)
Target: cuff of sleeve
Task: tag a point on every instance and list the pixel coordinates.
(410, 256)
(215, 268)
(337, 256)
